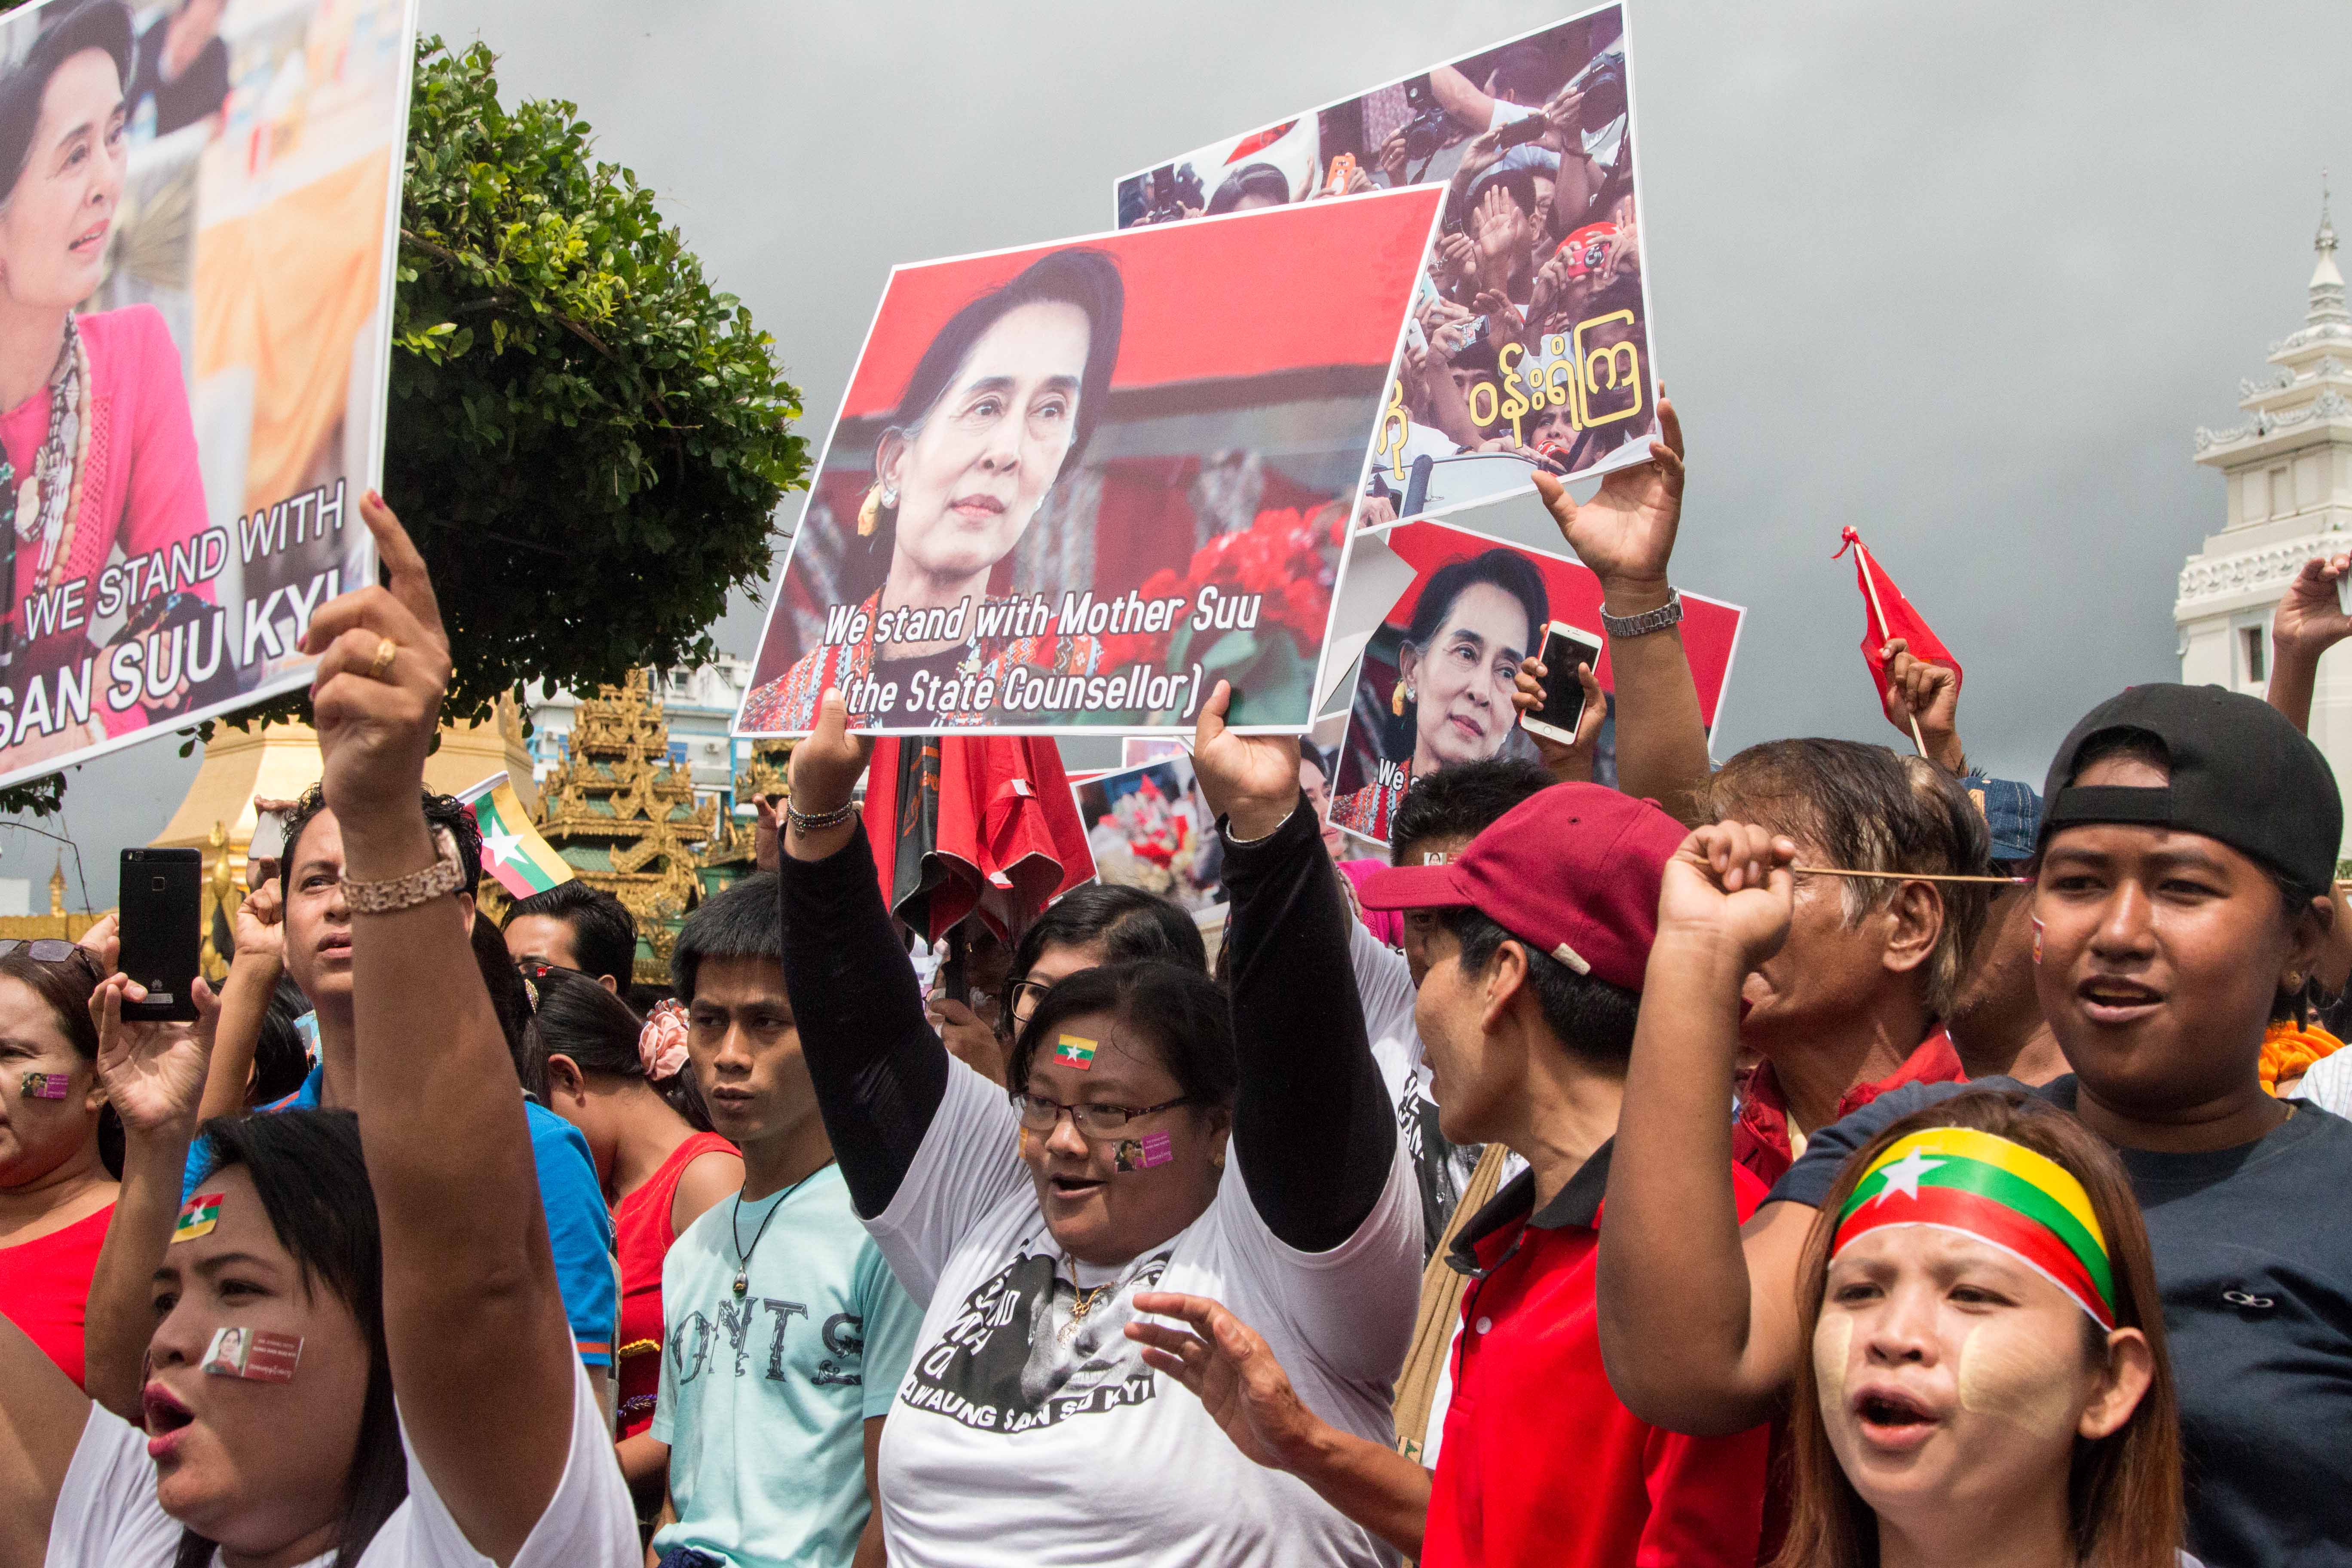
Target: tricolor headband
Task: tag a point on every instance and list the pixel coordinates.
(1996, 1191)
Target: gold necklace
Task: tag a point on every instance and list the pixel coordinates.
(1083, 1302)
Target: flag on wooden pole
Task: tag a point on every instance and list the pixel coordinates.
(1887, 615)
(513, 850)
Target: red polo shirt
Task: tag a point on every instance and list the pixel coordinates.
(1759, 1134)
(1541, 1465)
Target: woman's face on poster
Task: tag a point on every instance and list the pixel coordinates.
(54, 226)
(971, 477)
(1462, 681)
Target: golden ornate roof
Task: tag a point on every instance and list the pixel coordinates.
(624, 816)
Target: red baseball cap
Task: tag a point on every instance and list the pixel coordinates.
(1573, 871)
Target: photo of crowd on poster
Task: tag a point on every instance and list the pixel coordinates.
(1149, 827)
(196, 205)
(1433, 688)
(1071, 486)
(1530, 342)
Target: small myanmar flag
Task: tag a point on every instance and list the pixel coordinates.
(197, 1216)
(513, 850)
(1071, 1051)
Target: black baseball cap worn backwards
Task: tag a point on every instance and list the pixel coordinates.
(2241, 774)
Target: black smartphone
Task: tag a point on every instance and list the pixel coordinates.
(162, 931)
(1564, 648)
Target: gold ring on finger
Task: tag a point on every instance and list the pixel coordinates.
(385, 652)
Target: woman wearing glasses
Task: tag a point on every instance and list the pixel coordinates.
(1159, 1139)
(60, 1150)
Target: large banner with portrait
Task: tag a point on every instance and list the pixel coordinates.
(1071, 486)
(196, 250)
(1530, 346)
(1433, 688)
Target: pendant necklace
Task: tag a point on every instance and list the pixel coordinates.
(1083, 1301)
(735, 1234)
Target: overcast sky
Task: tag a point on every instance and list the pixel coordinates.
(1966, 278)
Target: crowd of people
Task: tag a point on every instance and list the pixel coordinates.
(1836, 1156)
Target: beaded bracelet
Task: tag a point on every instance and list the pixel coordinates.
(804, 822)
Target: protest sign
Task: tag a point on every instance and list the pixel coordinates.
(1433, 688)
(1149, 828)
(1073, 486)
(1531, 341)
(199, 267)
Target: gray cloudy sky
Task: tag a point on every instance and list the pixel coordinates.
(1965, 278)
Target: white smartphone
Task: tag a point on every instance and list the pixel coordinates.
(1564, 648)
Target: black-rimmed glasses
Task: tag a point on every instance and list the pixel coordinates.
(1040, 1114)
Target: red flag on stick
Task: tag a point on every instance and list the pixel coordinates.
(1887, 615)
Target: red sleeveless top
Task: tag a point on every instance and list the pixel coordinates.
(642, 1233)
(44, 1286)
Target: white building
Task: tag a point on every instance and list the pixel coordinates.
(2289, 475)
(698, 705)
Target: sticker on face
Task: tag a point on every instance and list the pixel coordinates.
(255, 1354)
(1074, 1051)
(1143, 1153)
(46, 1084)
(2037, 941)
(197, 1216)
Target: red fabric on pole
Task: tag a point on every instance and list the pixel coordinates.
(1887, 615)
(962, 822)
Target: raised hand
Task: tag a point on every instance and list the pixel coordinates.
(1568, 761)
(383, 666)
(1229, 1367)
(1925, 694)
(1504, 235)
(1251, 779)
(2310, 619)
(153, 1073)
(259, 925)
(767, 834)
(1729, 885)
(824, 771)
(1625, 534)
(103, 942)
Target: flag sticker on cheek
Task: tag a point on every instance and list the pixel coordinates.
(197, 1216)
(1143, 1153)
(1072, 1051)
(253, 1355)
(46, 1084)
(2037, 941)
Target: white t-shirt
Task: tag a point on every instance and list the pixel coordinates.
(1013, 1448)
(107, 1516)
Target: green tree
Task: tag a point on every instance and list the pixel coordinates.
(586, 439)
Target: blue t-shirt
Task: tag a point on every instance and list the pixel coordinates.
(765, 1397)
(2254, 1259)
(579, 1225)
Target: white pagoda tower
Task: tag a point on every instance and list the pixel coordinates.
(2289, 475)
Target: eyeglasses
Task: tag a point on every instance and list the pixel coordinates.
(1040, 1114)
(1023, 996)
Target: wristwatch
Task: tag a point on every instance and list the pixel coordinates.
(446, 875)
(1666, 615)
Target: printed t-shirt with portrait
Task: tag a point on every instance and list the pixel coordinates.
(106, 1515)
(764, 1397)
(1026, 1432)
(2252, 1248)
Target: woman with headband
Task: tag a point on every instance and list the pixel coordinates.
(2181, 898)
(1987, 1380)
(97, 452)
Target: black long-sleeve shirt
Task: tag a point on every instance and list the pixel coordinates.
(1312, 1124)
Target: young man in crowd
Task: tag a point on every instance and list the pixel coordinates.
(785, 1334)
(318, 958)
(574, 926)
(1536, 940)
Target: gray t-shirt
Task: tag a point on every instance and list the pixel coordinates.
(2253, 1260)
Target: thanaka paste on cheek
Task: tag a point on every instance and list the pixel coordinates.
(1833, 1348)
(2011, 1372)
